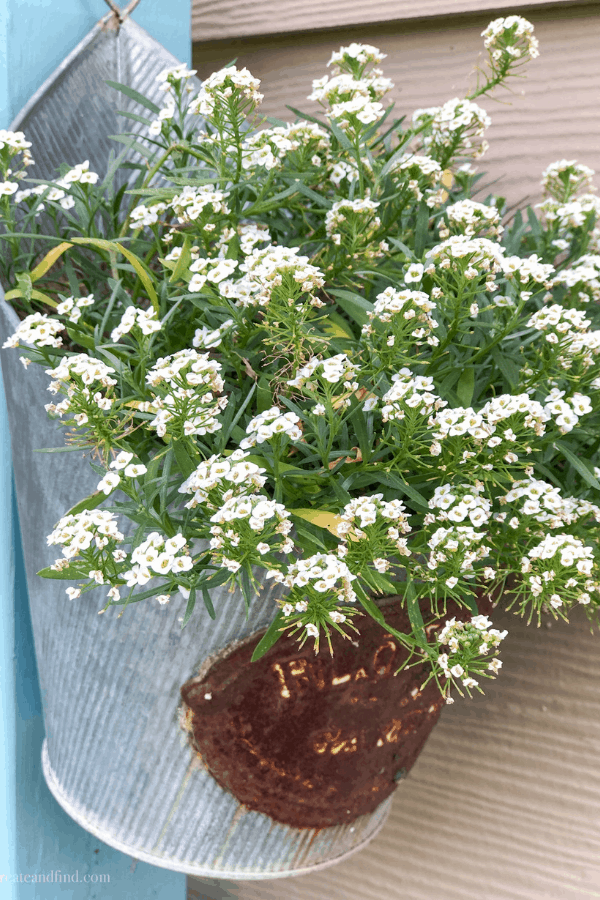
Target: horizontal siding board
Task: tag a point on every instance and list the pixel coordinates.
(503, 801)
(220, 19)
(552, 112)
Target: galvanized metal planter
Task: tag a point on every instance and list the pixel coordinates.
(115, 756)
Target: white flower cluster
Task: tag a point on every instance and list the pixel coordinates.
(158, 555)
(365, 54)
(144, 319)
(231, 475)
(565, 178)
(573, 213)
(583, 277)
(334, 370)
(567, 410)
(13, 142)
(404, 312)
(193, 200)
(252, 233)
(76, 532)
(409, 392)
(482, 425)
(268, 147)
(363, 511)
(172, 80)
(457, 127)
(472, 219)
(208, 338)
(466, 641)
(87, 368)
(318, 585)
(183, 386)
(213, 270)
(122, 462)
(460, 547)
(570, 549)
(173, 76)
(72, 307)
(37, 330)
(79, 174)
(377, 522)
(358, 214)
(419, 167)
(75, 375)
(567, 330)
(264, 518)
(543, 565)
(323, 572)
(57, 190)
(419, 174)
(353, 101)
(265, 270)
(510, 39)
(527, 269)
(269, 423)
(228, 86)
(457, 502)
(543, 501)
(146, 216)
(471, 257)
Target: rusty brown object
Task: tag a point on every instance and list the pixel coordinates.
(313, 740)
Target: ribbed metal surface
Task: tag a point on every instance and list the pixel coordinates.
(116, 758)
(69, 119)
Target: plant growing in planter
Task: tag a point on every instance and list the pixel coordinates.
(301, 354)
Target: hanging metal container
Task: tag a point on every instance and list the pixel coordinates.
(115, 755)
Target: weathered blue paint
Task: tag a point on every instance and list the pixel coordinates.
(36, 35)
(36, 835)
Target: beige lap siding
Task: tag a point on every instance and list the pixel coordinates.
(214, 20)
(556, 116)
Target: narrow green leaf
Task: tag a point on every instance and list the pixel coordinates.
(91, 502)
(134, 95)
(184, 260)
(583, 466)
(71, 573)
(342, 139)
(189, 608)
(421, 228)
(466, 386)
(184, 461)
(507, 366)
(208, 603)
(269, 638)
(354, 305)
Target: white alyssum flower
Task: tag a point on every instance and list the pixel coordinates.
(233, 474)
(144, 319)
(37, 330)
(269, 423)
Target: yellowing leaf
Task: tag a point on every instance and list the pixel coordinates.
(35, 295)
(135, 262)
(320, 517)
(49, 260)
(56, 252)
(447, 180)
(337, 330)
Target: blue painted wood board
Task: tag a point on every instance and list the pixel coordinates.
(36, 836)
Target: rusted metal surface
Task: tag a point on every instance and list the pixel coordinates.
(313, 740)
